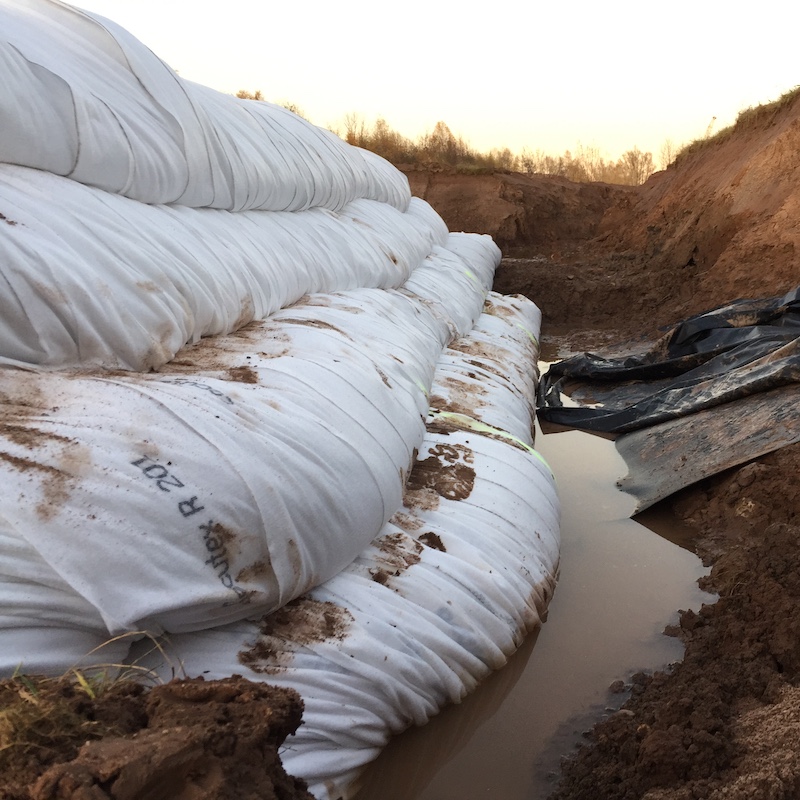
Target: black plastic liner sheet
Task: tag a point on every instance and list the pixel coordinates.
(734, 351)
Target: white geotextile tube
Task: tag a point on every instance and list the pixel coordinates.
(248, 470)
(250, 493)
(443, 596)
(91, 278)
(82, 98)
(497, 357)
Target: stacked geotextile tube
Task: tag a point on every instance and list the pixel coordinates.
(222, 332)
(443, 595)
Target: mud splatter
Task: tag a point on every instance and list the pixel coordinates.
(486, 365)
(254, 571)
(221, 538)
(504, 310)
(398, 552)
(445, 428)
(334, 301)
(300, 622)
(406, 521)
(295, 559)
(314, 323)
(433, 540)
(26, 465)
(464, 386)
(423, 499)
(7, 220)
(55, 483)
(446, 471)
(454, 405)
(383, 377)
(243, 374)
(30, 437)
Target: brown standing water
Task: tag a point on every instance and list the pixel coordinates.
(620, 585)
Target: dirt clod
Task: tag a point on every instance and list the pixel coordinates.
(186, 740)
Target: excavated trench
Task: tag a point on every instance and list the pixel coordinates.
(620, 584)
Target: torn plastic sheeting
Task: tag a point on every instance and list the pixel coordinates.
(731, 352)
(83, 98)
(665, 458)
(440, 598)
(92, 278)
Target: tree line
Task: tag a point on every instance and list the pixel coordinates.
(441, 148)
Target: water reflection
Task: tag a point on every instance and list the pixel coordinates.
(620, 585)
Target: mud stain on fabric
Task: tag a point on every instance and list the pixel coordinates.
(30, 437)
(313, 323)
(254, 571)
(407, 522)
(300, 622)
(433, 541)
(243, 374)
(447, 471)
(398, 552)
(54, 483)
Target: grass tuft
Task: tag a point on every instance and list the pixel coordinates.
(747, 119)
(46, 719)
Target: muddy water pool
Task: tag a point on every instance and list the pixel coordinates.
(620, 584)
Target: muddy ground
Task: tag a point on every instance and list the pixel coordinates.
(604, 263)
(724, 722)
(62, 739)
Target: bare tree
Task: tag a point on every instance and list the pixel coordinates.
(667, 154)
(243, 94)
(355, 129)
(441, 145)
(638, 166)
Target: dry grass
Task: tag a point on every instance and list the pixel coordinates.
(46, 714)
(44, 720)
(748, 119)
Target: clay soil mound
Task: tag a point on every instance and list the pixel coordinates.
(186, 740)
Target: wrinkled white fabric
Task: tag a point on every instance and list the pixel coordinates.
(440, 598)
(91, 278)
(248, 470)
(226, 337)
(82, 98)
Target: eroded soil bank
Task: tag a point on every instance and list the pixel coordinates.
(724, 723)
(62, 739)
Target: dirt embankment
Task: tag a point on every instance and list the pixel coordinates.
(186, 740)
(722, 222)
(522, 213)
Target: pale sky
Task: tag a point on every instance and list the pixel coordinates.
(546, 75)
